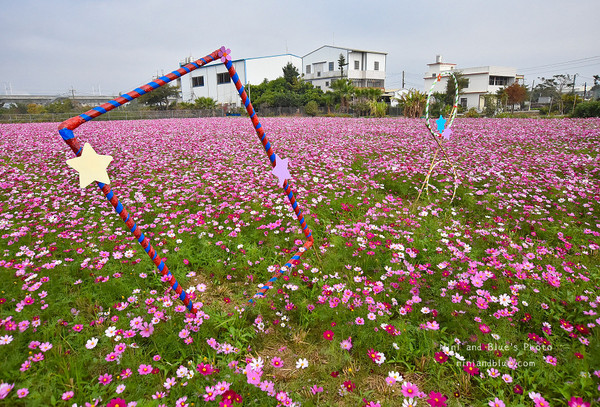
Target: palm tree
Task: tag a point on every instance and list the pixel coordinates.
(413, 103)
(344, 90)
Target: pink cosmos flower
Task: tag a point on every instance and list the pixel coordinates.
(276, 362)
(22, 392)
(550, 360)
(67, 395)
(146, 330)
(496, 403)
(315, 389)
(145, 369)
(5, 388)
(409, 390)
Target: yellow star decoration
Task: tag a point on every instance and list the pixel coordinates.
(91, 166)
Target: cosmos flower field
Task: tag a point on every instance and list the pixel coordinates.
(491, 299)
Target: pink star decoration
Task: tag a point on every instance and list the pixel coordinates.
(281, 169)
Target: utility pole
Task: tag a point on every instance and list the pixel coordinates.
(531, 94)
(574, 95)
(584, 90)
(402, 79)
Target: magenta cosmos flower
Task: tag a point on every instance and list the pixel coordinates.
(328, 335)
(204, 369)
(105, 379)
(437, 399)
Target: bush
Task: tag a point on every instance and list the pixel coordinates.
(379, 109)
(587, 109)
(472, 113)
(311, 108)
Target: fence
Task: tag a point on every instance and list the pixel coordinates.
(124, 114)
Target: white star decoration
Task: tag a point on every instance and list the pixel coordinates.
(91, 166)
(281, 169)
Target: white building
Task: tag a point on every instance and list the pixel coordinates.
(213, 80)
(366, 69)
(482, 80)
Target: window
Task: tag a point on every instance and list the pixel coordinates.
(223, 78)
(433, 75)
(377, 65)
(498, 80)
(319, 73)
(197, 81)
(327, 83)
(466, 83)
(357, 65)
(463, 102)
(307, 68)
(331, 66)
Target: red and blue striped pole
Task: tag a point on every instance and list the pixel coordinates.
(223, 53)
(66, 128)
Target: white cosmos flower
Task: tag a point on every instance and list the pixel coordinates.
(301, 364)
(91, 343)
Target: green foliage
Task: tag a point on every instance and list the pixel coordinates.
(159, 97)
(491, 105)
(472, 113)
(379, 109)
(283, 93)
(205, 103)
(341, 64)
(60, 106)
(290, 73)
(457, 79)
(311, 108)
(587, 109)
(413, 103)
(343, 91)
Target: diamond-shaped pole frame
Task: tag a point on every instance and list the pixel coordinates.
(66, 128)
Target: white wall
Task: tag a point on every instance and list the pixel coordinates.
(270, 68)
(320, 59)
(222, 93)
(479, 78)
(252, 70)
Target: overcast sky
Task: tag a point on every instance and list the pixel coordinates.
(50, 47)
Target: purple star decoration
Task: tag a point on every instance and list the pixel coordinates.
(281, 169)
(447, 133)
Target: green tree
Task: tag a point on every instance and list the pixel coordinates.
(458, 79)
(311, 108)
(341, 64)
(595, 91)
(205, 103)
(60, 106)
(290, 74)
(343, 90)
(413, 103)
(159, 97)
(490, 105)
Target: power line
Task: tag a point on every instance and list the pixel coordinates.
(574, 61)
